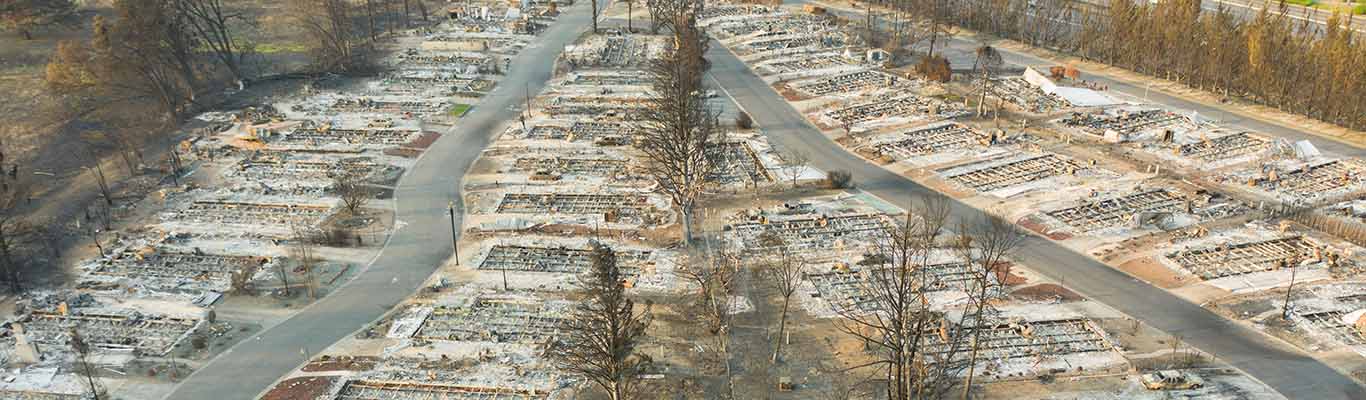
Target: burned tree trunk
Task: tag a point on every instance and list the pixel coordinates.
(603, 331)
(679, 129)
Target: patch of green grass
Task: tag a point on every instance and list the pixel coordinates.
(459, 110)
(271, 48)
(1344, 7)
(1306, 3)
(950, 97)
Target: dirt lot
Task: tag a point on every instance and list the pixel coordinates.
(53, 142)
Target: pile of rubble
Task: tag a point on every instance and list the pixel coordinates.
(257, 181)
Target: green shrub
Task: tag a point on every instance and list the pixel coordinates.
(1360, 9)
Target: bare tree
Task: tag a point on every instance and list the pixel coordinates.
(150, 45)
(304, 253)
(87, 369)
(353, 191)
(984, 245)
(594, 5)
(407, 14)
(16, 233)
(937, 14)
(282, 273)
(870, 25)
(657, 10)
(209, 21)
(666, 13)
(602, 332)
(797, 162)
(1047, 23)
(51, 233)
(369, 7)
(330, 26)
(144, 53)
(24, 16)
(175, 165)
(123, 143)
(93, 232)
(913, 344)
(987, 62)
(784, 272)
(715, 275)
(679, 129)
(101, 181)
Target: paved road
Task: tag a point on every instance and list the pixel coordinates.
(419, 246)
(960, 53)
(1249, 9)
(1285, 369)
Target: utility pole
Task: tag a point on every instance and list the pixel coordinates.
(504, 267)
(1285, 307)
(868, 23)
(175, 166)
(82, 353)
(175, 370)
(455, 244)
(528, 102)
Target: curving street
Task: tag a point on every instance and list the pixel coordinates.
(1284, 368)
(419, 245)
(421, 242)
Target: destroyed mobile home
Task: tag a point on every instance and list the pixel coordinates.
(567, 174)
(559, 179)
(1135, 184)
(268, 206)
(267, 202)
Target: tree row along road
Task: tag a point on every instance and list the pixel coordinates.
(420, 244)
(1249, 9)
(960, 52)
(1287, 370)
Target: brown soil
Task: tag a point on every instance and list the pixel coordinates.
(1148, 269)
(403, 152)
(1045, 291)
(1033, 225)
(1008, 279)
